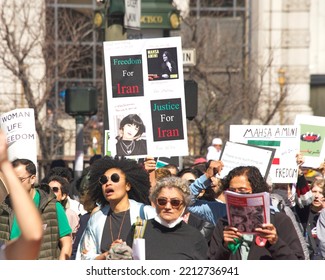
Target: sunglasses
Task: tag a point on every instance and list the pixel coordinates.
(174, 202)
(115, 178)
(55, 189)
(191, 181)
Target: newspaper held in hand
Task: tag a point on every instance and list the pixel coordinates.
(247, 211)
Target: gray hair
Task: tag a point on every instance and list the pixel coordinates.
(172, 182)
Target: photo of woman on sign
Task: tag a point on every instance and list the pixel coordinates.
(168, 66)
(162, 64)
(131, 129)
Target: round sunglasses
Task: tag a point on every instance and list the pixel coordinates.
(115, 178)
(174, 202)
(55, 189)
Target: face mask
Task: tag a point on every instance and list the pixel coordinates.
(171, 224)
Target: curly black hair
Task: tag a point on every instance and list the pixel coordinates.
(253, 175)
(135, 175)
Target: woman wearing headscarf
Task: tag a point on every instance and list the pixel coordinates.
(120, 187)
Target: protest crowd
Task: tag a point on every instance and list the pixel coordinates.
(126, 210)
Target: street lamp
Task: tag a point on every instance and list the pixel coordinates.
(281, 82)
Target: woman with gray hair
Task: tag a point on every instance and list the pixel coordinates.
(167, 236)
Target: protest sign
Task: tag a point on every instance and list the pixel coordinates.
(145, 97)
(312, 134)
(283, 138)
(132, 16)
(19, 127)
(238, 154)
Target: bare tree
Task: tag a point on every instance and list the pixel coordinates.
(42, 56)
(230, 83)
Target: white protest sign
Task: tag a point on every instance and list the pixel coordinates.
(146, 98)
(311, 139)
(283, 138)
(19, 127)
(237, 154)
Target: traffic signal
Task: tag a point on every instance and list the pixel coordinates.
(191, 99)
(81, 101)
(115, 13)
(100, 14)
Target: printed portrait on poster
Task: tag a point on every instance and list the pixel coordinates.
(162, 64)
(127, 76)
(131, 140)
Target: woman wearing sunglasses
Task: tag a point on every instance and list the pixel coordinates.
(167, 236)
(120, 187)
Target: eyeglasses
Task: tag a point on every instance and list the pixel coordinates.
(55, 189)
(115, 178)
(240, 190)
(24, 179)
(174, 202)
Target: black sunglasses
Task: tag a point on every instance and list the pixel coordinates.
(115, 178)
(174, 202)
(55, 189)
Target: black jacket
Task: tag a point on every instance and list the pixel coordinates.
(288, 246)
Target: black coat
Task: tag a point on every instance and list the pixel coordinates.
(287, 247)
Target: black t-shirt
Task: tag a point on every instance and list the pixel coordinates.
(182, 242)
(120, 228)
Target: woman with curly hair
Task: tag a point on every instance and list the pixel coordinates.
(120, 187)
(167, 236)
(275, 240)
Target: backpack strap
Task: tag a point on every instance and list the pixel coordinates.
(142, 212)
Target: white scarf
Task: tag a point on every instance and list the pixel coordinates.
(170, 224)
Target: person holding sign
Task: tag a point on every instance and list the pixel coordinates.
(130, 131)
(276, 240)
(27, 245)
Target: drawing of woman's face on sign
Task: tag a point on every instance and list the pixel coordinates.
(129, 131)
(130, 140)
(162, 64)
